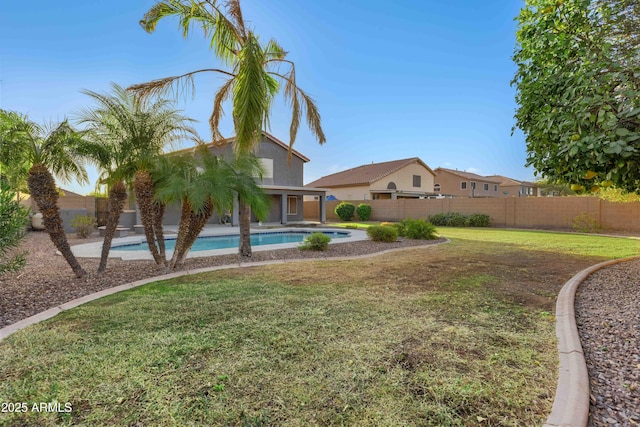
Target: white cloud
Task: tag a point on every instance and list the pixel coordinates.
(474, 170)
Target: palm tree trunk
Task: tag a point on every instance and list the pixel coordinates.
(244, 221)
(183, 230)
(143, 187)
(117, 197)
(43, 190)
(158, 231)
(197, 222)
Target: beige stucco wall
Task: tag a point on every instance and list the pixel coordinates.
(404, 179)
(350, 193)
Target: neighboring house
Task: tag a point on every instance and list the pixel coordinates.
(406, 178)
(513, 188)
(282, 181)
(450, 182)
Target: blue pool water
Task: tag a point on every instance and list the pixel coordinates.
(233, 240)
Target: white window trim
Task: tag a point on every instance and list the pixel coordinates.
(289, 212)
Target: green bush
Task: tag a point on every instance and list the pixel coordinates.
(478, 220)
(364, 211)
(456, 219)
(13, 220)
(345, 211)
(382, 233)
(84, 225)
(316, 242)
(418, 229)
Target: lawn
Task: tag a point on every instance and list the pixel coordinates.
(459, 334)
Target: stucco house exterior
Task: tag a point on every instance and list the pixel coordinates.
(451, 182)
(510, 187)
(405, 178)
(282, 181)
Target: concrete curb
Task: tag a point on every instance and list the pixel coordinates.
(571, 404)
(37, 318)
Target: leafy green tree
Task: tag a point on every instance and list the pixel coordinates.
(13, 219)
(254, 77)
(127, 136)
(578, 91)
(48, 151)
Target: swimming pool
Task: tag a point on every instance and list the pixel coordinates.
(207, 243)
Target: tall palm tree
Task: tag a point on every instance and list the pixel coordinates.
(254, 77)
(49, 151)
(128, 134)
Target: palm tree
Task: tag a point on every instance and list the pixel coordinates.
(48, 150)
(128, 134)
(254, 78)
(202, 185)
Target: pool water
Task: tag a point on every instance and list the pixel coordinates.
(207, 243)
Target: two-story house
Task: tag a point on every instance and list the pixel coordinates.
(282, 181)
(457, 183)
(510, 187)
(406, 178)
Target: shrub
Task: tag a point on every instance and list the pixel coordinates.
(84, 225)
(418, 229)
(382, 233)
(345, 211)
(585, 223)
(316, 242)
(456, 219)
(364, 211)
(478, 220)
(13, 219)
(439, 219)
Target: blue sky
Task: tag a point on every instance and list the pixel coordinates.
(392, 80)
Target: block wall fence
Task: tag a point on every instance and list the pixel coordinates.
(516, 212)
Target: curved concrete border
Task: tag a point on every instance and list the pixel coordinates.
(37, 318)
(571, 404)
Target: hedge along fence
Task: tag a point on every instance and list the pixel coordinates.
(517, 212)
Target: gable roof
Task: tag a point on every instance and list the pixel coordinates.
(510, 181)
(227, 141)
(469, 175)
(365, 174)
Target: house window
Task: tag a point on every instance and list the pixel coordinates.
(417, 181)
(391, 186)
(292, 205)
(436, 187)
(486, 187)
(473, 185)
(267, 168)
(463, 185)
(495, 187)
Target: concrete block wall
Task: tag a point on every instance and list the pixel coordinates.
(517, 212)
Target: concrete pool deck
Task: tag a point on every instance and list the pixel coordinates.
(94, 249)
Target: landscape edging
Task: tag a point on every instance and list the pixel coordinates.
(571, 402)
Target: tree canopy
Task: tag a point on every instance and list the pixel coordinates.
(578, 91)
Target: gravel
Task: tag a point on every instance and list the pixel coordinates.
(608, 317)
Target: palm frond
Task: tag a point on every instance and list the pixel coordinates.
(180, 85)
(214, 120)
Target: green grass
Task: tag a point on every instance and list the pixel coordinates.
(454, 335)
(566, 243)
